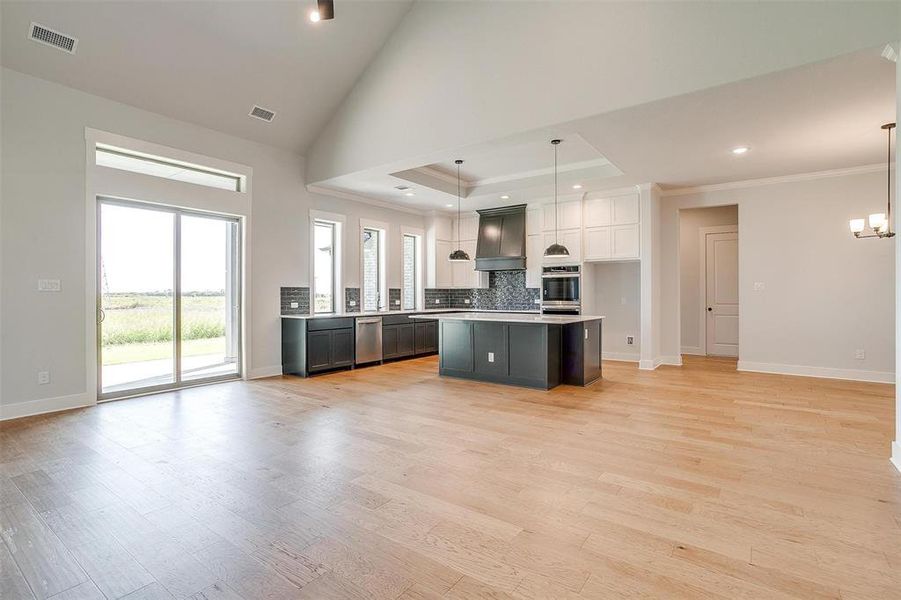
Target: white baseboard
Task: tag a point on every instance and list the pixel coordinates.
(823, 372)
(651, 364)
(620, 356)
(42, 406)
(896, 454)
(261, 372)
(693, 350)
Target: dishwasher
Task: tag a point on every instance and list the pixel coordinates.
(369, 340)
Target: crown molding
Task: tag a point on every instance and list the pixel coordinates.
(750, 183)
(326, 191)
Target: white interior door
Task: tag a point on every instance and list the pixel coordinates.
(722, 294)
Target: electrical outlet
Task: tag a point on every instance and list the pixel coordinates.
(630, 340)
(759, 286)
(536, 301)
(295, 305)
(465, 300)
(860, 354)
(396, 302)
(586, 333)
(352, 303)
(43, 377)
(491, 357)
(437, 301)
(623, 301)
(48, 285)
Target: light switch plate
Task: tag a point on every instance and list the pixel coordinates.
(860, 354)
(491, 357)
(48, 285)
(295, 305)
(353, 302)
(437, 301)
(759, 286)
(43, 377)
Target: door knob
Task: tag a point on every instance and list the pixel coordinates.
(709, 309)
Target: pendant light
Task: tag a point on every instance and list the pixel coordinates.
(458, 255)
(880, 223)
(556, 249)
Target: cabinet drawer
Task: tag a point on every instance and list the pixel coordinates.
(396, 320)
(330, 323)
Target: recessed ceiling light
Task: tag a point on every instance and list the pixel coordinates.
(505, 197)
(449, 205)
(740, 150)
(577, 186)
(314, 16)
(409, 194)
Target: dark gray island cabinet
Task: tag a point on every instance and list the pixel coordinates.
(537, 351)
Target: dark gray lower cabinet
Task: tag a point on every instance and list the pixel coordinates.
(397, 341)
(581, 352)
(425, 337)
(315, 345)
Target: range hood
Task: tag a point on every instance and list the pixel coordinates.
(502, 239)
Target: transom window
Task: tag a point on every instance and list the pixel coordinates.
(116, 158)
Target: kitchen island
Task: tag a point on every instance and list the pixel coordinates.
(530, 350)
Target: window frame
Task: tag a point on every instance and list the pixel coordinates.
(338, 222)
(334, 291)
(382, 277)
(417, 236)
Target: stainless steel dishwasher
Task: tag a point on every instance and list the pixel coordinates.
(369, 340)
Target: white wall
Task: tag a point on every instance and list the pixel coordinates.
(826, 294)
(896, 446)
(690, 299)
(460, 73)
(615, 292)
(42, 221)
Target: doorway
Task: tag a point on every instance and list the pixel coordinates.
(169, 291)
(696, 322)
(721, 293)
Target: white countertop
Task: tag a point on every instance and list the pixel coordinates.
(382, 313)
(513, 317)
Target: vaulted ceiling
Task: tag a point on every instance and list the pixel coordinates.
(208, 62)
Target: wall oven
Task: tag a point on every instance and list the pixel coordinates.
(561, 290)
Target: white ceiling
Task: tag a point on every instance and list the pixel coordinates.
(208, 62)
(813, 118)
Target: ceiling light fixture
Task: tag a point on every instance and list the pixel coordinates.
(578, 186)
(408, 194)
(505, 197)
(449, 205)
(740, 150)
(314, 16)
(880, 223)
(556, 249)
(458, 255)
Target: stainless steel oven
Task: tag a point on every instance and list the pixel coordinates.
(561, 290)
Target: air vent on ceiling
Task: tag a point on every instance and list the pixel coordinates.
(264, 114)
(49, 37)
(402, 187)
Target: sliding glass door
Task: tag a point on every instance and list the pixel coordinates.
(169, 298)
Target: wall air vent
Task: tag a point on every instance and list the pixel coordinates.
(49, 37)
(264, 114)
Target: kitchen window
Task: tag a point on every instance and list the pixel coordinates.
(373, 268)
(411, 271)
(324, 244)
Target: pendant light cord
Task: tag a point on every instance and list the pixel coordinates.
(458, 204)
(556, 229)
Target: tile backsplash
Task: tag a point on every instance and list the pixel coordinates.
(352, 295)
(506, 291)
(300, 295)
(393, 298)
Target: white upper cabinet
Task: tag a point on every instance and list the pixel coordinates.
(572, 239)
(534, 216)
(469, 227)
(569, 215)
(612, 230)
(596, 212)
(626, 210)
(443, 273)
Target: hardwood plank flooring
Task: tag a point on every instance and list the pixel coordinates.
(391, 482)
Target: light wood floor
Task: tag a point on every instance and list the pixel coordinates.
(390, 482)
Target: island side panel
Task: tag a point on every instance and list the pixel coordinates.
(489, 342)
(455, 344)
(581, 364)
(534, 355)
(294, 347)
